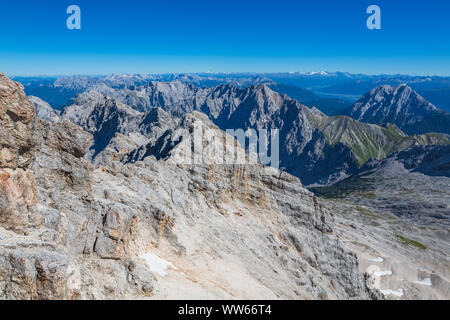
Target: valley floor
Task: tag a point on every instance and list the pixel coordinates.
(399, 227)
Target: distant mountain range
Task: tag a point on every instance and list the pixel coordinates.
(319, 149)
(341, 87)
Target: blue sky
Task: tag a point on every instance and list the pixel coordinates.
(137, 36)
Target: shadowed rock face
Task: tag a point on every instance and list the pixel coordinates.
(95, 223)
(116, 127)
(432, 160)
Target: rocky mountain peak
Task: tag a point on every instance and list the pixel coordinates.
(399, 105)
(88, 96)
(157, 115)
(402, 96)
(43, 110)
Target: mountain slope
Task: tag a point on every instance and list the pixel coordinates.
(432, 160)
(412, 184)
(329, 106)
(400, 213)
(336, 145)
(115, 126)
(43, 110)
(401, 106)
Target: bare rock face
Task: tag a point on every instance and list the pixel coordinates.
(43, 110)
(33, 271)
(401, 106)
(16, 119)
(246, 208)
(18, 199)
(77, 250)
(17, 188)
(116, 128)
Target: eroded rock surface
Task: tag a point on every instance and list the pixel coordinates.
(17, 188)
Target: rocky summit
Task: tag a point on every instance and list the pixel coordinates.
(155, 228)
(401, 106)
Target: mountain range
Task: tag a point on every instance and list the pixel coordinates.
(98, 202)
(340, 87)
(401, 106)
(319, 149)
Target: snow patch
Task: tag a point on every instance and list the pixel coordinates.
(383, 273)
(397, 293)
(156, 264)
(379, 259)
(425, 282)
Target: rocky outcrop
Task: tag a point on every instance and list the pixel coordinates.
(44, 111)
(48, 218)
(16, 116)
(17, 187)
(432, 160)
(116, 127)
(18, 200)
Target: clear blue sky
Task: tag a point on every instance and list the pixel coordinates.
(147, 36)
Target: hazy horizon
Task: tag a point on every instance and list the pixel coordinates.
(220, 73)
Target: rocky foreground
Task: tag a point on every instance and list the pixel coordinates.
(155, 228)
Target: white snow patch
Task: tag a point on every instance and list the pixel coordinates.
(383, 273)
(425, 282)
(156, 264)
(379, 259)
(397, 293)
